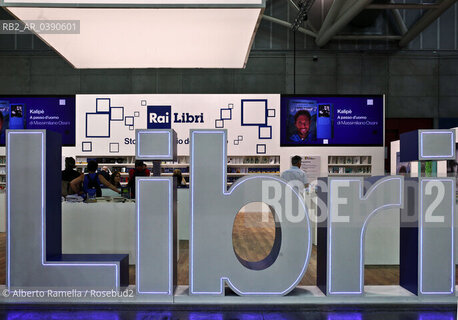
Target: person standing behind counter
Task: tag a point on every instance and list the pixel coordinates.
(91, 182)
(68, 175)
(295, 173)
(140, 170)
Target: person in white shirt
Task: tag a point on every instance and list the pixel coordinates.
(295, 173)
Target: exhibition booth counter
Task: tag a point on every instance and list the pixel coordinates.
(109, 227)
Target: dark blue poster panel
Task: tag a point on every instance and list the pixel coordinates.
(331, 120)
(55, 113)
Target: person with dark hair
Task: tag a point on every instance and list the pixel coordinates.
(115, 179)
(91, 182)
(68, 175)
(181, 182)
(140, 170)
(403, 170)
(295, 173)
(302, 122)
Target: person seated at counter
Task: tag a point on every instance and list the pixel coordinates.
(140, 170)
(68, 175)
(91, 182)
(115, 179)
(181, 182)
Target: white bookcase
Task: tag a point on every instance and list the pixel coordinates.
(349, 165)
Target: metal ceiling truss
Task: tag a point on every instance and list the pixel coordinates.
(304, 7)
(342, 12)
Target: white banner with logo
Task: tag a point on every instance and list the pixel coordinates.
(106, 124)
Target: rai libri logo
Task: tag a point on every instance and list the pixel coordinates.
(159, 117)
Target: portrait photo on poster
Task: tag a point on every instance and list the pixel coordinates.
(331, 120)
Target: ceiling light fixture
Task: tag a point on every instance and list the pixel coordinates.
(149, 34)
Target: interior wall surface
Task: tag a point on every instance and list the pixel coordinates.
(416, 84)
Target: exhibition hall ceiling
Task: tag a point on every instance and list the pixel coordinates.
(151, 37)
(221, 33)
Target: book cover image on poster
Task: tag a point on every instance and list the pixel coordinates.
(331, 120)
(55, 113)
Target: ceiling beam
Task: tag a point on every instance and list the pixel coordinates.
(341, 22)
(347, 5)
(428, 18)
(294, 4)
(288, 25)
(399, 20)
(331, 16)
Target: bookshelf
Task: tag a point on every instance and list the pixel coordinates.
(237, 166)
(349, 165)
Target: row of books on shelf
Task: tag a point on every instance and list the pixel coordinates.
(349, 160)
(234, 160)
(107, 160)
(254, 160)
(184, 160)
(253, 170)
(231, 180)
(112, 169)
(184, 169)
(349, 170)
